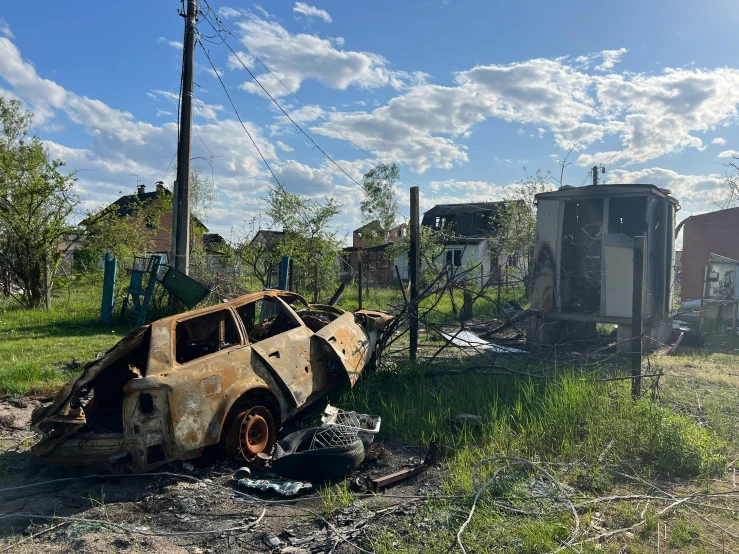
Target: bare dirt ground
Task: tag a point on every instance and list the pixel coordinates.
(198, 511)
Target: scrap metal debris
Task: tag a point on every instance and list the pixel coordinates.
(227, 375)
(366, 426)
(280, 486)
(466, 339)
(432, 458)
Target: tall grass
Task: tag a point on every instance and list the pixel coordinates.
(384, 297)
(565, 417)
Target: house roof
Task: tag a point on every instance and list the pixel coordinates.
(607, 190)
(126, 205)
(371, 226)
(466, 220)
(267, 235)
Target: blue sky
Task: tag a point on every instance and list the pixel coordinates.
(461, 94)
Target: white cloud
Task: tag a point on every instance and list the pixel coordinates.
(173, 43)
(226, 13)
(284, 147)
(610, 58)
(297, 57)
(729, 154)
(718, 140)
(5, 29)
(300, 178)
(692, 191)
(200, 108)
(161, 112)
(311, 11)
(120, 144)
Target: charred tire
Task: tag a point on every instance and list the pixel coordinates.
(293, 460)
(249, 431)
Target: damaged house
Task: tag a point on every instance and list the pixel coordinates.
(370, 245)
(470, 227)
(703, 235)
(584, 261)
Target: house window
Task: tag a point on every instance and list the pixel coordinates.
(359, 234)
(204, 335)
(511, 261)
(454, 257)
(439, 222)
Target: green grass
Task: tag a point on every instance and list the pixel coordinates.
(36, 345)
(566, 418)
(381, 298)
(335, 498)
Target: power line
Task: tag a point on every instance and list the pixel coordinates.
(326, 121)
(315, 144)
(215, 71)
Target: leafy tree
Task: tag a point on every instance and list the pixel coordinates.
(514, 235)
(259, 256)
(126, 234)
(36, 200)
(730, 196)
(309, 236)
(379, 202)
(431, 242)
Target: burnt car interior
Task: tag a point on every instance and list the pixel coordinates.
(264, 319)
(205, 334)
(104, 410)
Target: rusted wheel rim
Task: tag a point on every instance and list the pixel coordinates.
(255, 433)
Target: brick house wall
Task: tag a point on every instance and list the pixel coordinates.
(716, 232)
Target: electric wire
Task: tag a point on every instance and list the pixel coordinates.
(225, 29)
(215, 71)
(299, 128)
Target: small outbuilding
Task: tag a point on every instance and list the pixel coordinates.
(584, 260)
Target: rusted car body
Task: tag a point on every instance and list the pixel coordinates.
(227, 375)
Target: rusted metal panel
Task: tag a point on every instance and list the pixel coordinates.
(289, 355)
(349, 342)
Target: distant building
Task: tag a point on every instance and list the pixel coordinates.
(161, 234)
(470, 227)
(369, 245)
(713, 232)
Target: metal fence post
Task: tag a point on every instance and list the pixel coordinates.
(47, 281)
(414, 271)
(360, 282)
(106, 309)
(637, 317)
(284, 265)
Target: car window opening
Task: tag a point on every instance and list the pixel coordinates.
(264, 319)
(204, 335)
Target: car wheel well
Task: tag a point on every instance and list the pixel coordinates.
(254, 397)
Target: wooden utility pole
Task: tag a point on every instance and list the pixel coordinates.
(414, 267)
(636, 317)
(182, 186)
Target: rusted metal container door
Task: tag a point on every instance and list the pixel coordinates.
(296, 362)
(350, 342)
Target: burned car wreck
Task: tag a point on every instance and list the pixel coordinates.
(226, 376)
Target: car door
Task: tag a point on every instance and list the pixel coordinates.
(283, 342)
(209, 354)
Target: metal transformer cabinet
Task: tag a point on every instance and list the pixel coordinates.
(584, 259)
